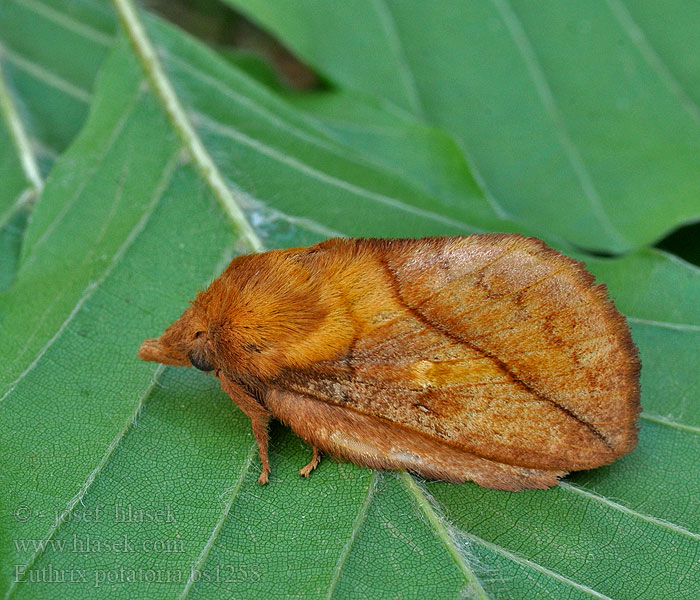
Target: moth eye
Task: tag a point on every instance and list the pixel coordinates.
(200, 362)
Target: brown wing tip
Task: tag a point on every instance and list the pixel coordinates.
(624, 439)
(630, 389)
(619, 436)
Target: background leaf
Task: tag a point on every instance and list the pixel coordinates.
(132, 221)
(45, 89)
(50, 81)
(562, 108)
(21, 183)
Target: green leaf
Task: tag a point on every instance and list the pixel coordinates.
(142, 210)
(20, 182)
(583, 118)
(398, 142)
(52, 70)
(46, 79)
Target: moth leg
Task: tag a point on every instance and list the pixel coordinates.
(305, 471)
(259, 419)
(259, 425)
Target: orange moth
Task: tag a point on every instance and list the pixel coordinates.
(489, 358)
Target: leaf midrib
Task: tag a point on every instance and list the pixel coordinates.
(206, 166)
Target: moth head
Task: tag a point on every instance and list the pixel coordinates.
(259, 314)
(185, 343)
(257, 318)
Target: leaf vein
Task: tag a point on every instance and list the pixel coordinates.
(544, 91)
(204, 554)
(114, 136)
(356, 526)
(68, 511)
(534, 566)
(640, 40)
(264, 112)
(166, 93)
(230, 132)
(40, 73)
(394, 41)
(426, 506)
(669, 423)
(665, 324)
(638, 515)
(65, 21)
(94, 285)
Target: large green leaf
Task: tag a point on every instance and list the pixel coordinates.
(399, 142)
(141, 212)
(576, 118)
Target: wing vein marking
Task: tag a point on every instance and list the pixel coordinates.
(393, 281)
(464, 276)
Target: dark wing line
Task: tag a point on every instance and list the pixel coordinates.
(512, 293)
(494, 300)
(446, 332)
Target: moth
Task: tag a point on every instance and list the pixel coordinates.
(491, 358)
